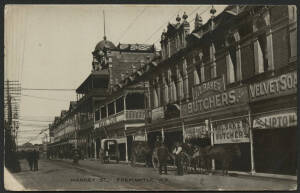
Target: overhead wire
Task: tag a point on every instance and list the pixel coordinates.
(129, 26)
(44, 98)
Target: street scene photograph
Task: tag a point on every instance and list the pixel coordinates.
(149, 97)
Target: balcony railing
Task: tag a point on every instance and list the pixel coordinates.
(135, 114)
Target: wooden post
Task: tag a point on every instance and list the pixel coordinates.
(183, 131)
(126, 144)
(251, 143)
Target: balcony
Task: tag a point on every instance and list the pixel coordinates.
(135, 114)
(121, 116)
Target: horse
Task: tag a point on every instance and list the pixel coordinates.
(163, 157)
(141, 149)
(224, 154)
(201, 160)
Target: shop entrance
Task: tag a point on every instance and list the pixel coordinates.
(129, 145)
(242, 163)
(275, 150)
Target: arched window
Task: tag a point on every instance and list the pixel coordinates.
(185, 79)
(261, 47)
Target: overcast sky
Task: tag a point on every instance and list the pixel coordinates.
(49, 46)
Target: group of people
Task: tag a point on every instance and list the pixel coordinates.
(163, 155)
(32, 158)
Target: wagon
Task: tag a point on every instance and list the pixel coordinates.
(108, 152)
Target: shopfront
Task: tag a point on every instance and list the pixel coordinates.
(274, 136)
(234, 130)
(273, 104)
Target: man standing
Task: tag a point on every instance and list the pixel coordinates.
(177, 151)
(29, 158)
(163, 155)
(36, 157)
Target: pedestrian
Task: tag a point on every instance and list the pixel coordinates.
(36, 157)
(178, 158)
(29, 159)
(163, 155)
(158, 142)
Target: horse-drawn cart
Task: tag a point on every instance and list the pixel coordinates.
(107, 152)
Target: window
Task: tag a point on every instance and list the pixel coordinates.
(185, 79)
(120, 104)
(97, 115)
(180, 92)
(155, 98)
(111, 108)
(261, 47)
(135, 101)
(103, 112)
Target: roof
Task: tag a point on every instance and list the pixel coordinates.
(96, 74)
(104, 44)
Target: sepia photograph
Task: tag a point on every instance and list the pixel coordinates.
(150, 97)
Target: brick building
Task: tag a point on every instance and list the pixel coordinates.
(230, 80)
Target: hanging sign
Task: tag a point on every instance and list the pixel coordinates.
(212, 85)
(199, 131)
(281, 85)
(215, 101)
(231, 131)
(275, 120)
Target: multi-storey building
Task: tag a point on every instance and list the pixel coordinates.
(110, 68)
(231, 80)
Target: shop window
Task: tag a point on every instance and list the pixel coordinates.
(103, 112)
(120, 104)
(135, 101)
(97, 115)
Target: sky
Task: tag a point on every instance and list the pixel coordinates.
(50, 46)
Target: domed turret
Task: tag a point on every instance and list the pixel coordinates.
(104, 45)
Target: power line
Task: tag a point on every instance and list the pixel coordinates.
(49, 89)
(189, 15)
(45, 98)
(129, 26)
(161, 26)
(34, 120)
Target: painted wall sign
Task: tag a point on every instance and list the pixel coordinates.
(279, 120)
(196, 132)
(231, 131)
(212, 85)
(278, 86)
(158, 113)
(215, 101)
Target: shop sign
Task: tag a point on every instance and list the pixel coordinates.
(111, 120)
(212, 85)
(199, 131)
(215, 101)
(140, 138)
(231, 131)
(157, 113)
(136, 47)
(279, 120)
(278, 86)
